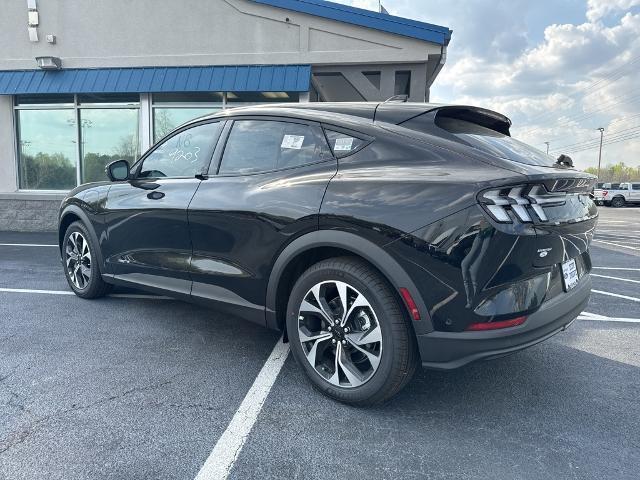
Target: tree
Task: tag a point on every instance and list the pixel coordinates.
(616, 173)
(44, 171)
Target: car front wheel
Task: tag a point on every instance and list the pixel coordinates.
(348, 332)
(80, 265)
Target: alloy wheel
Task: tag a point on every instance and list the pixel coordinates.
(340, 334)
(78, 260)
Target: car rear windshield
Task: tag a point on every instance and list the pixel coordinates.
(494, 143)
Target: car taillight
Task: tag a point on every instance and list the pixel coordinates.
(520, 200)
(483, 326)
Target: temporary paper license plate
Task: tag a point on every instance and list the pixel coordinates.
(569, 274)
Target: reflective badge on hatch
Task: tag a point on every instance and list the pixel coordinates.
(569, 274)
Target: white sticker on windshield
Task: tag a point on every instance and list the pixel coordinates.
(343, 144)
(292, 141)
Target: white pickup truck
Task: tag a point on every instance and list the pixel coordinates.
(617, 194)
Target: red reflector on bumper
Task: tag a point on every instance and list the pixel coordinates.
(411, 305)
(474, 327)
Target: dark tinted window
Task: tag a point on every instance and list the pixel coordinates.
(495, 143)
(184, 154)
(343, 144)
(635, 186)
(262, 145)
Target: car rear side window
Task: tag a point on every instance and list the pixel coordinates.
(184, 154)
(635, 186)
(485, 139)
(343, 144)
(495, 143)
(257, 146)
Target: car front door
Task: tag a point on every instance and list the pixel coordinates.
(147, 236)
(265, 188)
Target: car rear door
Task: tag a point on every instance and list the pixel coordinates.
(265, 188)
(148, 239)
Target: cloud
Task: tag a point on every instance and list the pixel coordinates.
(598, 9)
(559, 70)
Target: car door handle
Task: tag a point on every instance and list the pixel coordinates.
(155, 195)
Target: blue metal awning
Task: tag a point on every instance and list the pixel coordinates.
(366, 18)
(244, 78)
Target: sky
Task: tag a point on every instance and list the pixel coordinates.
(560, 69)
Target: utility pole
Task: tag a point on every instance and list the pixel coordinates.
(600, 151)
(547, 144)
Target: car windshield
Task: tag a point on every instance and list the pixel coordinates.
(495, 143)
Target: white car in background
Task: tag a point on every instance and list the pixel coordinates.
(617, 194)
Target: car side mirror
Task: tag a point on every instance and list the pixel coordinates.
(118, 170)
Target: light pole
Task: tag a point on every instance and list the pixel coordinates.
(600, 150)
(547, 144)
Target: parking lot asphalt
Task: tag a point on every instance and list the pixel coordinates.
(131, 387)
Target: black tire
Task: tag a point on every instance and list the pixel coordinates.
(398, 358)
(617, 202)
(94, 286)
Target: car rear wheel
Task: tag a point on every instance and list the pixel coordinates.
(348, 332)
(80, 266)
(617, 202)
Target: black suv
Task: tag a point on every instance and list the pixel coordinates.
(376, 236)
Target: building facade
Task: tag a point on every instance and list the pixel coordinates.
(85, 82)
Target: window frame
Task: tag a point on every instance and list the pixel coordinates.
(137, 166)
(76, 106)
(324, 153)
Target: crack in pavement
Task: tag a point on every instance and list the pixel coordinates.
(18, 437)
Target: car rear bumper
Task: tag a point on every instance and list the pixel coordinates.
(448, 350)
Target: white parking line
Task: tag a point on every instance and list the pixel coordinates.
(223, 456)
(68, 292)
(619, 268)
(617, 245)
(615, 278)
(618, 238)
(617, 295)
(26, 245)
(602, 318)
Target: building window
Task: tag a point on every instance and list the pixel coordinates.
(173, 109)
(67, 140)
(47, 149)
(107, 134)
(54, 132)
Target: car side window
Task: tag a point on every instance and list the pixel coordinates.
(182, 155)
(343, 144)
(635, 186)
(257, 146)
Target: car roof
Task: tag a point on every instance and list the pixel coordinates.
(392, 112)
(352, 114)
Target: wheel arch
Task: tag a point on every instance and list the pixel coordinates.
(73, 213)
(315, 246)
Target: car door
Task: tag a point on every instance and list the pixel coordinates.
(634, 194)
(147, 230)
(265, 188)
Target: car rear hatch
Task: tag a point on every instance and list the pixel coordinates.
(552, 202)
